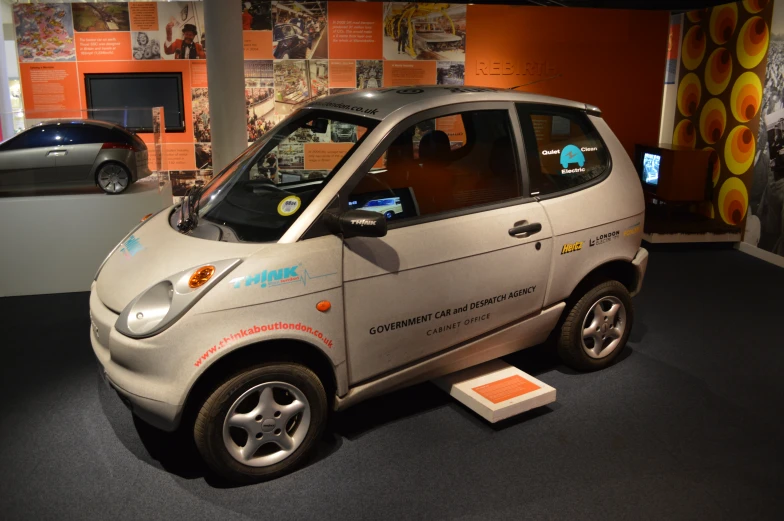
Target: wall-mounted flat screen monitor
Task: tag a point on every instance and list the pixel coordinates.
(650, 168)
(128, 99)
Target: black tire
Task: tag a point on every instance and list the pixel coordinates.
(208, 427)
(570, 343)
(113, 165)
(389, 214)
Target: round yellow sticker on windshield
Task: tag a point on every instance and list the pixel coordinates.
(289, 205)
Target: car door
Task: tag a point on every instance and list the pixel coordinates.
(27, 160)
(75, 158)
(468, 254)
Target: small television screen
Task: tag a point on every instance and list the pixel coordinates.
(650, 168)
(128, 99)
(398, 203)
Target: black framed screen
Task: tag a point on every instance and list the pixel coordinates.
(126, 99)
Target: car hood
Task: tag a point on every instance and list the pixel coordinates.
(155, 251)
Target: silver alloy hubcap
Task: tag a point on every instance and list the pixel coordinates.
(113, 178)
(266, 424)
(603, 327)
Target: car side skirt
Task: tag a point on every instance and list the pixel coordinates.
(501, 342)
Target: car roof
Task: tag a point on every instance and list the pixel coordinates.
(94, 122)
(380, 103)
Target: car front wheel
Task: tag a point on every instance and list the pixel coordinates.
(261, 423)
(596, 327)
(113, 178)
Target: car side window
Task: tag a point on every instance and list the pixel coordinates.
(441, 165)
(43, 136)
(85, 134)
(564, 149)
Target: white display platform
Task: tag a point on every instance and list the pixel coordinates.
(496, 390)
(55, 243)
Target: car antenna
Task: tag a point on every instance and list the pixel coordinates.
(536, 81)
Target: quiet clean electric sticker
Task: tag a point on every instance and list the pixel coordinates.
(289, 205)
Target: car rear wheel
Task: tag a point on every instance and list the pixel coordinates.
(261, 423)
(596, 327)
(113, 178)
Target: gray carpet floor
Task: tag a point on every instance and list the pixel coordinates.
(687, 425)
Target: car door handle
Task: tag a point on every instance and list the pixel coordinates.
(57, 153)
(523, 229)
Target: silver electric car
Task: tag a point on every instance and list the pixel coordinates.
(255, 307)
(68, 154)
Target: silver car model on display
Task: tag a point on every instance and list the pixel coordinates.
(253, 309)
(70, 154)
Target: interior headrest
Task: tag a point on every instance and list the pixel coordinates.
(434, 146)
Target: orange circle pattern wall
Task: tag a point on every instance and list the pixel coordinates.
(722, 68)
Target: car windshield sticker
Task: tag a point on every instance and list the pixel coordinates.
(570, 155)
(289, 205)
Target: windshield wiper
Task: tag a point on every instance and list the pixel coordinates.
(189, 216)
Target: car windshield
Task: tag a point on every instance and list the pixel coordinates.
(260, 195)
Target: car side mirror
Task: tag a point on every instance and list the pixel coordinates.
(359, 223)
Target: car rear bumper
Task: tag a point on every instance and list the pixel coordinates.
(640, 264)
(141, 173)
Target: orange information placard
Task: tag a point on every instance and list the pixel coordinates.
(398, 73)
(257, 45)
(355, 30)
(50, 90)
(179, 156)
(143, 16)
(505, 389)
(324, 156)
(198, 73)
(342, 73)
(104, 46)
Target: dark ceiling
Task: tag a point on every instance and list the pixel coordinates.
(666, 5)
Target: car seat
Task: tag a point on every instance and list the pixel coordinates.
(496, 178)
(399, 163)
(433, 182)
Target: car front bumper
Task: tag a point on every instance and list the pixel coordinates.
(640, 263)
(133, 387)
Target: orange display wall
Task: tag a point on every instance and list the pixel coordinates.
(58, 44)
(614, 59)
(297, 50)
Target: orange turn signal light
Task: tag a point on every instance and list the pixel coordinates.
(146, 217)
(201, 276)
(324, 306)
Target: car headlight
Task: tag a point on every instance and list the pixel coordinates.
(160, 305)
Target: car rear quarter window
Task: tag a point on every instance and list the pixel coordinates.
(82, 134)
(563, 147)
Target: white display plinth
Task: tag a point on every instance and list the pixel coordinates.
(496, 390)
(55, 243)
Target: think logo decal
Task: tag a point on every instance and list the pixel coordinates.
(131, 246)
(277, 277)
